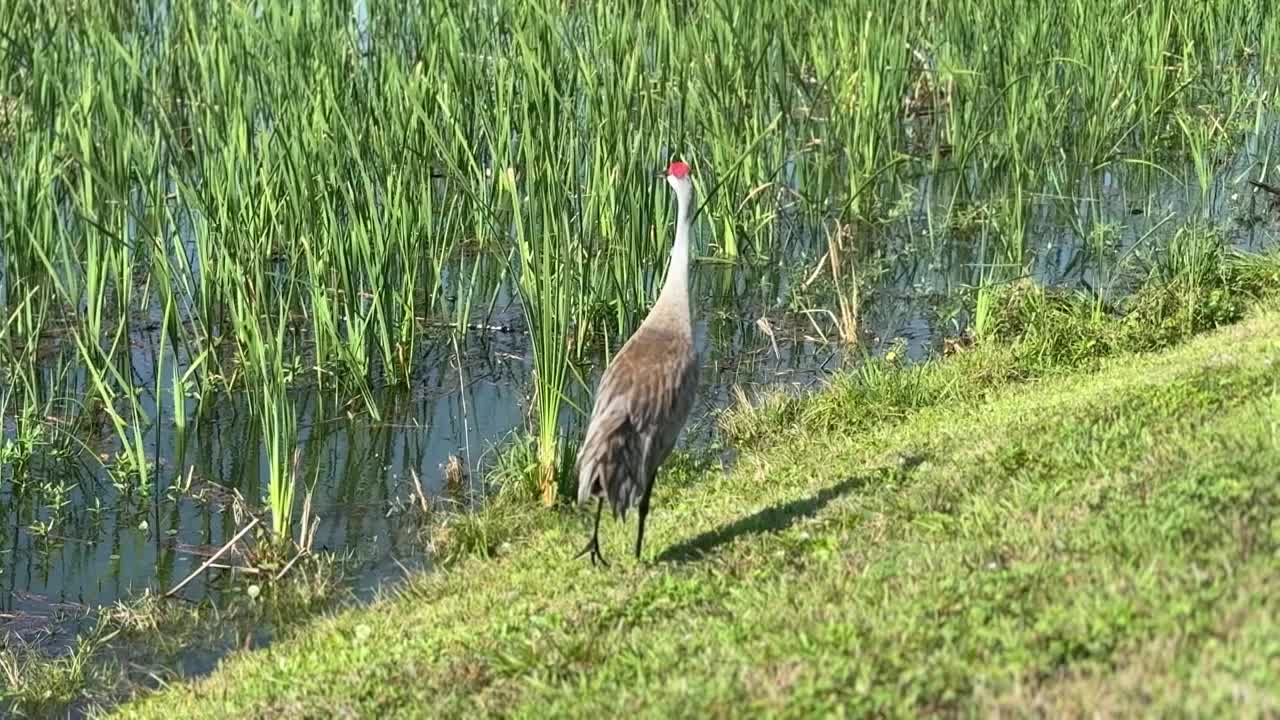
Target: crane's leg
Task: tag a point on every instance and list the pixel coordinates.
(644, 513)
(593, 546)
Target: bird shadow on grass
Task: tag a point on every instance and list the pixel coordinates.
(779, 517)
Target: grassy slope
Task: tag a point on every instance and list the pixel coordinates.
(1105, 539)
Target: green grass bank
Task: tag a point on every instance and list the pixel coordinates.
(1031, 526)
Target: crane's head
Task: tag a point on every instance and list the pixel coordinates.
(677, 177)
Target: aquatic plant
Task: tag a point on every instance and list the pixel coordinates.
(299, 195)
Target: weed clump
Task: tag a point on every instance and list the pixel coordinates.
(1195, 285)
(1031, 331)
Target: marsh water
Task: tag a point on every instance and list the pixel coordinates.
(962, 190)
(73, 538)
(764, 325)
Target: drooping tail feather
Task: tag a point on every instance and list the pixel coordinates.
(611, 462)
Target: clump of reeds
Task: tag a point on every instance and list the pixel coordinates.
(298, 199)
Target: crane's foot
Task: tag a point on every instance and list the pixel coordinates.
(593, 547)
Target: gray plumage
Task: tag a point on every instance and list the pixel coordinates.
(645, 394)
(641, 406)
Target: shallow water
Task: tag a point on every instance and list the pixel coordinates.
(71, 541)
(102, 544)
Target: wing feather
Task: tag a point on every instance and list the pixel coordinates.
(642, 403)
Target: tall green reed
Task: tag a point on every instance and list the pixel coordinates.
(547, 283)
(152, 163)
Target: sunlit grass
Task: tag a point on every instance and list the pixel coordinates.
(299, 200)
(1092, 540)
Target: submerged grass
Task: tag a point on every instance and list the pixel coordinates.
(1099, 537)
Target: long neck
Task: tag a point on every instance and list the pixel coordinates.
(675, 290)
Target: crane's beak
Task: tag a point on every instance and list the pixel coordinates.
(660, 175)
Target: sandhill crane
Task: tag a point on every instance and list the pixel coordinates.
(644, 397)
